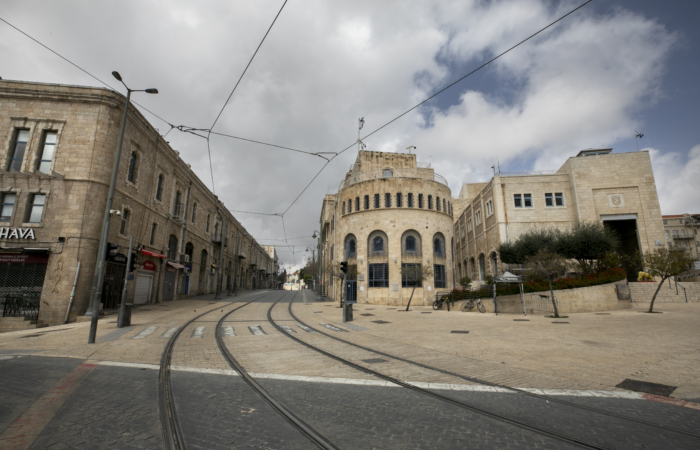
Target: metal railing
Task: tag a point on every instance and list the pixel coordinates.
(417, 173)
(21, 305)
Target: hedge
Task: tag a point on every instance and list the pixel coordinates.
(595, 279)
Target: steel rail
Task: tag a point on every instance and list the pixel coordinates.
(459, 404)
(314, 436)
(172, 433)
(488, 383)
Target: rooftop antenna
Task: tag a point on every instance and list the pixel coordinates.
(494, 170)
(637, 136)
(360, 144)
(411, 147)
(499, 165)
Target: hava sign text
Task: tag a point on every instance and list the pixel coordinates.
(17, 233)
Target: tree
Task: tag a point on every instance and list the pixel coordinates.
(465, 281)
(415, 275)
(664, 263)
(550, 266)
(586, 242)
(528, 244)
(282, 276)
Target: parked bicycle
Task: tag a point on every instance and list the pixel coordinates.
(469, 305)
(437, 304)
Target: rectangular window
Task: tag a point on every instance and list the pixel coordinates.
(420, 201)
(154, 227)
(665, 222)
(357, 203)
(366, 201)
(333, 224)
(489, 208)
(675, 234)
(18, 151)
(343, 208)
(469, 225)
(409, 200)
(548, 200)
(398, 200)
(680, 221)
(559, 199)
(682, 233)
(444, 205)
(430, 202)
(668, 235)
(8, 206)
(36, 208)
(124, 228)
(437, 203)
(477, 217)
(44, 163)
(528, 200)
(518, 200)
(410, 275)
(376, 201)
(387, 200)
(379, 275)
(349, 206)
(440, 278)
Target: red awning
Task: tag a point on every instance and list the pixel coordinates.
(150, 253)
(175, 265)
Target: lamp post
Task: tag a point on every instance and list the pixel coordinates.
(319, 270)
(96, 291)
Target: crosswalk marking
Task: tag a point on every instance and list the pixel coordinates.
(256, 330)
(167, 334)
(331, 327)
(227, 331)
(145, 333)
(305, 328)
(288, 329)
(198, 332)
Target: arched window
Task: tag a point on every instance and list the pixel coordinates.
(172, 247)
(410, 244)
(439, 246)
(194, 212)
(350, 246)
(159, 187)
(377, 246)
(131, 174)
(189, 250)
(386, 173)
(203, 258)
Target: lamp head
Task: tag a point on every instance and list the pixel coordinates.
(152, 91)
(116, 75)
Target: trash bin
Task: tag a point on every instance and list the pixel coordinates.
(126, 320)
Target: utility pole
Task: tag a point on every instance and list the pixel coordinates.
(122, 306)
(220, 278)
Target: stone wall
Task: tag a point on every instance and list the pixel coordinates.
(643, 291)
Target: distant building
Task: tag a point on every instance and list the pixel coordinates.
(596, 185)
(390, 213)
(682, 232)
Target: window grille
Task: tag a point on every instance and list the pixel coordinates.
(437, 203)
(44, 163)
(440, 278)
(528, 200)
(377, 245)
(420, 201)
(18, 152)
(349, 206)
(398, 200)
(409, 200)
(410, 244)
(21, 287)
(379, 275)
(357, 203)
(387, 200)
(438, 246)
(410, 274)
(376, 201)
(350, 247)
(430, 202)
(366, 201)
(386, 173)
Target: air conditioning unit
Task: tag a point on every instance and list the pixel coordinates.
(184, 259)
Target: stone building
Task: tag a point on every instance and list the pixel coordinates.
(390, 213)
(682, 232)
(58, 147)
(596, 185)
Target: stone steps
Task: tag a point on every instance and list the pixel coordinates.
(644, 291)
(19, 323)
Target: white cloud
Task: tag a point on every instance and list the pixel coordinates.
(677, 180)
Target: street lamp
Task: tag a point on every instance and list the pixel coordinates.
(96, 291)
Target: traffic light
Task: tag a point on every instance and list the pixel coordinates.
(133, 265)
(111, 248)
(344, 266)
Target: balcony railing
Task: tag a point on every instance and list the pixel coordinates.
(421, 174)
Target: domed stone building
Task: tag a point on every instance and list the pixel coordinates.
(390, 212)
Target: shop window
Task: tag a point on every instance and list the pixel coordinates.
(47, 151)
(8, 207)
(36, 208)
(19, 147)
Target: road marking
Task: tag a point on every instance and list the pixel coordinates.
(24, 431)
(305, 328)
(227, 332)
(167, 334)
(354, 327)
(288, 329)
(256, 330)
(119, 332)
(145, 333)
(334, 328)
(198, 332)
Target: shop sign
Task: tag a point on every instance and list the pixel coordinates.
(117, 258)
(16, 233)
(19, 259)
(148, 265)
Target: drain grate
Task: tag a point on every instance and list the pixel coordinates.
(459, 332)
(366, 314)
(380, 321)
(374, 361)
(521, 320)
(645, 386)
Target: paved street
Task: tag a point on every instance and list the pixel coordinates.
(59, 392)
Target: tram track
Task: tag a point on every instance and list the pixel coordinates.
(495, 385)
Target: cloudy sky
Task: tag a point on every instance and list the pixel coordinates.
(610, 68)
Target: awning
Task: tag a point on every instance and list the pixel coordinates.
(175, 265)
(150, 253)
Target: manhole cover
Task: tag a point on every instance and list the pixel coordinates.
(380, 321)
(374, 361)
(366, 314)
(459, 332)
(645, 386)
(560, 322)
(521, 320)
(602, 314)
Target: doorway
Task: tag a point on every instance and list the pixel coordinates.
(625, 227)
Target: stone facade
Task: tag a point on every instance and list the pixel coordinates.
(682, 232)
(385, 199)
(176, 222)
(616, 188)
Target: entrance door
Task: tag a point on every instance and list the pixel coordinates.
(142, 292)
(169, 285)
(625, 227)
(113, 285)
(351, 291)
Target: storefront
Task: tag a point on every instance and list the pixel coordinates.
(144, 283)
(21, 283)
